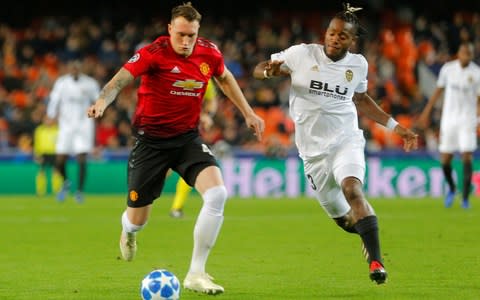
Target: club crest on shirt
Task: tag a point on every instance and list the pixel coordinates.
(470, 79)
(134, 58)
(204, 68)
(314, 68)
(349, 75)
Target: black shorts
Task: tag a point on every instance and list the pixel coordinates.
(47, 160)
(148, 166)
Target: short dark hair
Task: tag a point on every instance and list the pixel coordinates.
(187, 11)
(348, 15)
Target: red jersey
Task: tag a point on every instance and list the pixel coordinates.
(172, 86)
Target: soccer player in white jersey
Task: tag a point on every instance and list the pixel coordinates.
(71, 96)
(328, 85)
(459, 81)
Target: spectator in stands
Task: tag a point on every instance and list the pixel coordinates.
(50, 38)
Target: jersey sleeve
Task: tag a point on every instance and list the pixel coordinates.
(215, 57)
(442, 77)
(94, 90)
(220, 65)
(139, 63)
(54, 99)
(291, 57)
(363, 83)
(478, 85)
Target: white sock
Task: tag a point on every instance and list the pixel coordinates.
(127, 226)
(207, 227)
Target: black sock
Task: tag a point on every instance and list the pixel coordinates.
(467, 178)
(367, 228)
(447, 173)
(82, 172)
(62, 170)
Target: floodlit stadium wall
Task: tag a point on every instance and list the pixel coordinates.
(388, 175)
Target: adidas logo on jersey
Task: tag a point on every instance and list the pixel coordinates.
(175, 70)
(314, 68)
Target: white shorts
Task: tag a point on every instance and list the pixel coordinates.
(74, 141)
(326, 173)
(461, 138)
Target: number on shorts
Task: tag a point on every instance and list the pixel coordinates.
(312, 184)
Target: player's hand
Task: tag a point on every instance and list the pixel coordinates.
(206, 122)
(410, 139)
(273, 68)
(97, 109)
(257, 124)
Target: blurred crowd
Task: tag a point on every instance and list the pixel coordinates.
(405, 51)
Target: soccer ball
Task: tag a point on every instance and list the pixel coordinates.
(160, 285)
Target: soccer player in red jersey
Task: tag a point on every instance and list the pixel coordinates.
(174, 73)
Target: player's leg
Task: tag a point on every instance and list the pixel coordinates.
(348, 167)
(57, 181)
(133, 220)
(467, 158)
(41, 182)
(467, 145)
(181, 194)
(41, 178)
(83, 143)
(63, 147)
(366, 225)
(333, 200)
(147, 168)
(61, 168)
(201, 170)
(210, 185)
(450, 142)
(82, 174)
(446, 162)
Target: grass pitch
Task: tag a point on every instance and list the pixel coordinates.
(268, 249)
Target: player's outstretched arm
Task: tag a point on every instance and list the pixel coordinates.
(424, 119)
(268, 69)
(367, 106)
(410, 139)
(110, 92)
(229, 86)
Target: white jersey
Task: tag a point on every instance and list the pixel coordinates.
(321, 97)
(69, 102)
(462, 89)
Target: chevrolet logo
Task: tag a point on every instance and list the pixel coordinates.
(189, 84)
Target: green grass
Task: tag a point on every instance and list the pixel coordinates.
(268, 249)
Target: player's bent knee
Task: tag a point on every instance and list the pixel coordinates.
(129, 226)
(214, 200)
(346, 224)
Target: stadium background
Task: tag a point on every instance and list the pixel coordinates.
(406, 44)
